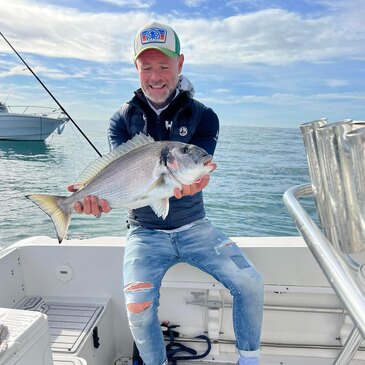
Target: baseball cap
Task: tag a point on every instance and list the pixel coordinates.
(157, 36)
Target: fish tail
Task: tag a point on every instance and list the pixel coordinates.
(60, 216)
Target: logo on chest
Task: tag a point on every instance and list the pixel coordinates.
(183, 131)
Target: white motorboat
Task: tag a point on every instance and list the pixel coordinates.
(27, 126)
(63, 304)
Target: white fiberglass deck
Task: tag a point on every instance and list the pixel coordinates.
(80, 283)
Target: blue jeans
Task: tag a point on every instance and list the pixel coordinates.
(150, 253)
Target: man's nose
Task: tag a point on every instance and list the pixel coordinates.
(156, 75)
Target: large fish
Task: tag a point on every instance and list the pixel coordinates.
(138, 173)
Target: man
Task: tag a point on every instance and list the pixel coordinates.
(165, 109)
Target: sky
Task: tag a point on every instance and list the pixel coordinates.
(277, 63)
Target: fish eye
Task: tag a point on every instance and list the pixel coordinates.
(185, 150)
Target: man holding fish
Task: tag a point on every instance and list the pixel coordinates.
(174, 229)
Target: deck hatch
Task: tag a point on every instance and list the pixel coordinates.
(69, 323)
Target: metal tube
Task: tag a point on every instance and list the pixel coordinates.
(329, 165)
(270, 307)
(356, 142)
(318, 182)
(331, 262)
(264, 344)
(347, 214)
(285, 308)
(348, 351)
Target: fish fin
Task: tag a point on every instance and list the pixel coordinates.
(156, 184)
(161, 207)
(50, 205)
(102, 162)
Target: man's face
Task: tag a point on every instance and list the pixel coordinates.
(158, 75)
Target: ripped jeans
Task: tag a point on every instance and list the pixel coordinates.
(150, 253)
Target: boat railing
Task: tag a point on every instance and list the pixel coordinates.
(43, 111)
(335, 154)
(348, 284)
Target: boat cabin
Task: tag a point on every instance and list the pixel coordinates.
(3, 108)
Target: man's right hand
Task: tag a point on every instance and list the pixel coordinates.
(90, 205)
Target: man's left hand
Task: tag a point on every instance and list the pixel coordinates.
(193, 188)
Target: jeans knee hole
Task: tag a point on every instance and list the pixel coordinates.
(138, 286)
(136, 308)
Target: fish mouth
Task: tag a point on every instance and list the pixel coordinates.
(207, 161)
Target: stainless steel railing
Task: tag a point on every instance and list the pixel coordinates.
(347, 283)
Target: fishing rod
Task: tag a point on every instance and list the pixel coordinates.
(50, 94)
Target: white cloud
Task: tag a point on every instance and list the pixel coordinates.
(285, 99)
(194, 3)
(137, 4)
(238, 4)
(221, 91)
(13, 71)
(271, 36)
(56, 31)
(51, 73)
(336, 83)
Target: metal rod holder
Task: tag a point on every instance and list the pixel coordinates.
(335, 154)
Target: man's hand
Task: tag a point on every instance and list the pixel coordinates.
(91, 204)
(193, 188)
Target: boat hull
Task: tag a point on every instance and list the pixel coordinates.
(22, 127)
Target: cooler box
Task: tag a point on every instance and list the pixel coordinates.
(28, 342)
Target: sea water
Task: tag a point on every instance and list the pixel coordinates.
(244, 196)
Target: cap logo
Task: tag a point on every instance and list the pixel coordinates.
(153, 35)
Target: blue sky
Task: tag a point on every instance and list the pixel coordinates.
(260, 63)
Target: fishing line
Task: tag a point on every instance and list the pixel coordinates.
(9, 93)
(50, 94)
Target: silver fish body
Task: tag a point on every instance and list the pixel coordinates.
(140, 172)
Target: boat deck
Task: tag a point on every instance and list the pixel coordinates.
(304, 322)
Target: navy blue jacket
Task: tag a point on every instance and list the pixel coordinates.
(185, 120)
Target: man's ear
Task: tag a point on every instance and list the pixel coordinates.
(180, 63)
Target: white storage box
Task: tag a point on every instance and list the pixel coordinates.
(71, 328)
(28, 342)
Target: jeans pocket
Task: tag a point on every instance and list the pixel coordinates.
(133, 230)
